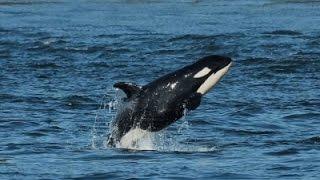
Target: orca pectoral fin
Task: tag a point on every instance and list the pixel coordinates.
(193, 101)
(128, 88)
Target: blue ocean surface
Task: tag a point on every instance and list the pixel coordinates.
(60, 58)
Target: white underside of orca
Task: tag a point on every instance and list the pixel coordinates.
(137, 139)
(212, 80)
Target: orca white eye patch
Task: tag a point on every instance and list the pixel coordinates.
(202, 73)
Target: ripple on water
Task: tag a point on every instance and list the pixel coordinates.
(312, 141)
(5, 53)
(44, 65)
(285, 152)
(242, 132)
(13, 123)
(229, 176)
(109, 175)
(199, 122)
(29, 3)
(19, 99)
(31, 148)
(116, 157)
(279, 167)
(44, 131)
(192, 37)
(99, 64)
(303, 116)
(284, 32)
(80, 102)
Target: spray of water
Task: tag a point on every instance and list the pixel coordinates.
(103, 119)
(172, 139)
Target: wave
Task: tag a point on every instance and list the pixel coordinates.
(98, 64)
(26, 99)
(313, 140)
(44, 131)
(284, 32)
(285, 152)
(241, 132)
(79, 102)
(44, 65)
(302, 116)
(191, 37)
(9, 123)
(26, 2)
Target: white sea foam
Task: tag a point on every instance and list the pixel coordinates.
(137, 139)
(49, 41)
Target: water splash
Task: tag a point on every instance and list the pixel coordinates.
(103, 119)
(184, 126)
(173, 139)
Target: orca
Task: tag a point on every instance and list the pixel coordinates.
(154, 106)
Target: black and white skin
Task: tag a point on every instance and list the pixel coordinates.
(154, 106)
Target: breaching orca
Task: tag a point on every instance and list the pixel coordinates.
(158, 104)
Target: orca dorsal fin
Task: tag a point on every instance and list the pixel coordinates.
(128, 88)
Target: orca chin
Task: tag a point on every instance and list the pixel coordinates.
(156, 105)
(213, 79)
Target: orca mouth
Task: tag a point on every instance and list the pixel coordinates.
(213, 79)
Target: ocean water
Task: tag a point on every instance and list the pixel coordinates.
(59, 60)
